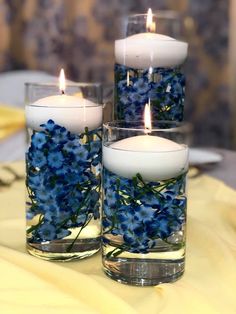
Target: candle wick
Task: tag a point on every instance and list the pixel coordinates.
(62, 92)
(147, 131)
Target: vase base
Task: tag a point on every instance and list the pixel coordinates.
(143, 272)
(60, 251)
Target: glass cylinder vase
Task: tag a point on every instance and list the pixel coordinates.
(148, 68)
(63, 170)
(144, 202)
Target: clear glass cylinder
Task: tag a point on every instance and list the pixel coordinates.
(144, 201)
(63, 170)
(148, 67)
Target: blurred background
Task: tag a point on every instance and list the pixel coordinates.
(79, 35)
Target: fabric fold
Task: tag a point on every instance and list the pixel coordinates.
(88, 293)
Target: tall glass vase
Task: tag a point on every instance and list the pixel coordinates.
(63, 170)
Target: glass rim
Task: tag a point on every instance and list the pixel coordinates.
(176, 126)
(65, 106)
(168, 14)
(68, 84)
(172, 40)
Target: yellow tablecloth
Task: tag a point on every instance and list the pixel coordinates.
(12, 119)
(28, 284)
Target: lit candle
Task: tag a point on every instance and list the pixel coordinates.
(73, 112)
(154, 157)
(145, 50)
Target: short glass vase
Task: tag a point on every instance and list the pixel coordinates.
(144, 202)
(148, 68)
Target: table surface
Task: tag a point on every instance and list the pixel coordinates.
(226, 169)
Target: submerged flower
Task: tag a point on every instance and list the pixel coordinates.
(55, 159)
(49, 126)
(62, 183)
(62, 233)
(141, 86)
(140, 217)
(144, 213)
(165, 88)
(81, 153)
(38, 159)
(47, 232)
(39, 139)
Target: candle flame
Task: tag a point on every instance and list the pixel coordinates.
(150, 25)
(147, 118)
(62, 81)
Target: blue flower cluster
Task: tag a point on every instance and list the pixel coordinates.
(163, 87)
(63, 181)
(142, 213)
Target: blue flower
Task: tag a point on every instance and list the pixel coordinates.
(137, 98)
(106, 223)
(62, 233)
(95, 147)
(60, 135)
(164, 87)
(141, 86)
(61, 169)
(81, 154)
(145, 213)
(127, 220)
(47, 232)
(142, 218)
(94, 196)
(69, 146)
(81, 219)
(96, 211)
(55, 159)
(29, 215)
(111, 197)
(108, 180)
(39, 139)
(124, 98)
(38, 159)
(72, 177)
(109, 210)
(49, 126)
(42, 195)
(122, 84)
(150, 199)
(35, 180)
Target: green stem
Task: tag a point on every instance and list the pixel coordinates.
(114, 253)
(34, 227)
(78, 234)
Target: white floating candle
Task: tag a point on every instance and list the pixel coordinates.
(145, 50)
(73, 112)
(155, 158)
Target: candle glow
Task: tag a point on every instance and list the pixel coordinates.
(150, 25)
(147, 118)
(62, 81)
